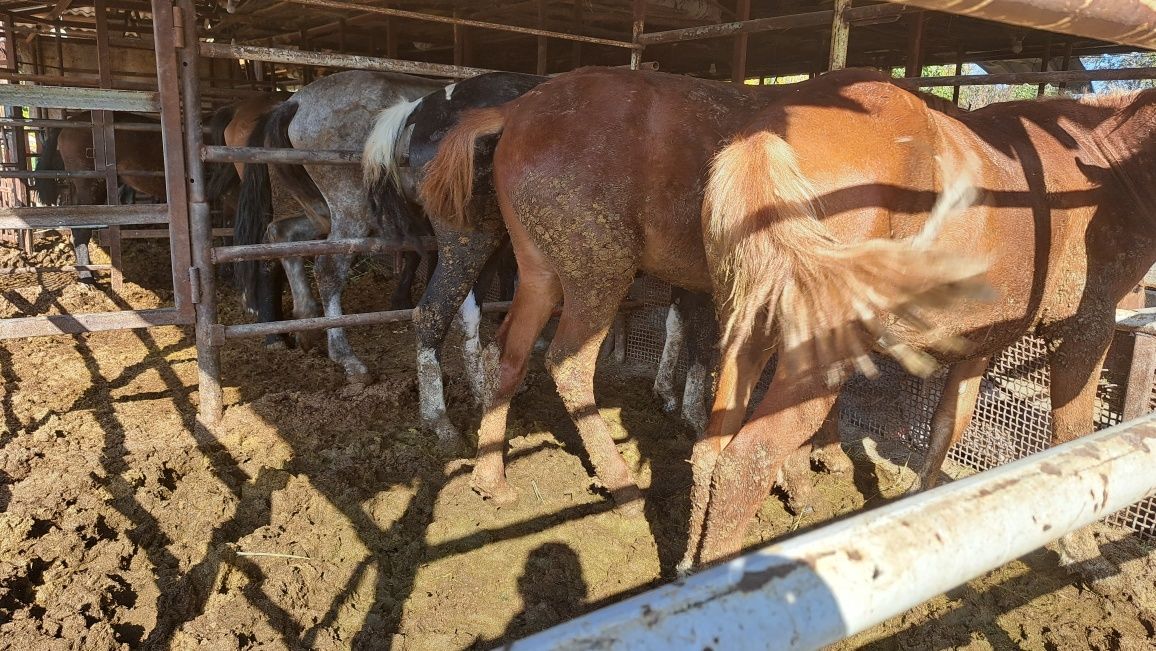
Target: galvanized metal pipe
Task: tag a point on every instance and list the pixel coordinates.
(1131, 22)
(818, 588)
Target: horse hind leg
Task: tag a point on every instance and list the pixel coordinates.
(80, 240)
(952, 416)
(332, 271)
(702, 333)
(667, 364)
(587, 315)
(505, 365)
(1075, 375)
(297, 229)
(448, 293)
(402, 297)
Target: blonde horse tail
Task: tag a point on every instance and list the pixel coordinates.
(778, 267)
(449, 177)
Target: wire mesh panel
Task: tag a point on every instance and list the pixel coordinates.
(1012, 415)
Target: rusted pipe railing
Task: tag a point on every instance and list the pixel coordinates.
(217, 154)
(871, 13)
(465, 22)
(221, 333)
(352, 61)
(363, 245)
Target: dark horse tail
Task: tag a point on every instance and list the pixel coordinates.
(222, 176)
(254, 214)
(395, 212)
(49, 160)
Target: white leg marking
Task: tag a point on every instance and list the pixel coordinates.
(694, 398)
(470, 318)
(671, 349)
(431, 397)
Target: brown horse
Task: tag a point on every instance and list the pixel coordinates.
(599, 174)
(71, 149)
(1064, 219)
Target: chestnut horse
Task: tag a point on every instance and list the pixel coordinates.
(599, 175)
(1064, 219)
(71, 149)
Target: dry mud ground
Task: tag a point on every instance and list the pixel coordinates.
(321, 517)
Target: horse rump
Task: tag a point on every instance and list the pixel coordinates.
(777, 266)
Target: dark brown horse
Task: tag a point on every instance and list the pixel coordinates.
(1064, 220)
(599, 174)
(71, 149)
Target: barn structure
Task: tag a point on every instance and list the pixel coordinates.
(175, 62)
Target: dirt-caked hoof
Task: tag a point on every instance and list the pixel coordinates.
(628, 501)
(308, 340)
(833, 460)
(499, 491)
(364, 378)
(450, 441)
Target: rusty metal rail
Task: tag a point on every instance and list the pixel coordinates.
(218, 154)
(364, 245)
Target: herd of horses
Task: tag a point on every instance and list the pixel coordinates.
(815, 222)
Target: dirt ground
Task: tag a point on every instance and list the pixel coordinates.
(320, 516)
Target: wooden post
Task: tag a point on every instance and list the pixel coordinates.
(575, 46)
(1138, 391)
(390, 37)
(104, 141)
(915, 46)
(840, 36)
(459, 43)
(739, 50)
(960, 52)
(1065, 64)
(1044, 65)
(541, 39)
(638, 12)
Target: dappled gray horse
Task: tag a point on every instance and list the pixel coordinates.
(337, 112)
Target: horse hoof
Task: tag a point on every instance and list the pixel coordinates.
(628, 501)
(833, 460)
(499, 490)
(364, 378)
(307, 341)
(276, 344)
(450, 441)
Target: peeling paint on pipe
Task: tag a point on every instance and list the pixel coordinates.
(818, 588)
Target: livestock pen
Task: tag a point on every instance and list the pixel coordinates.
(166, 481)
